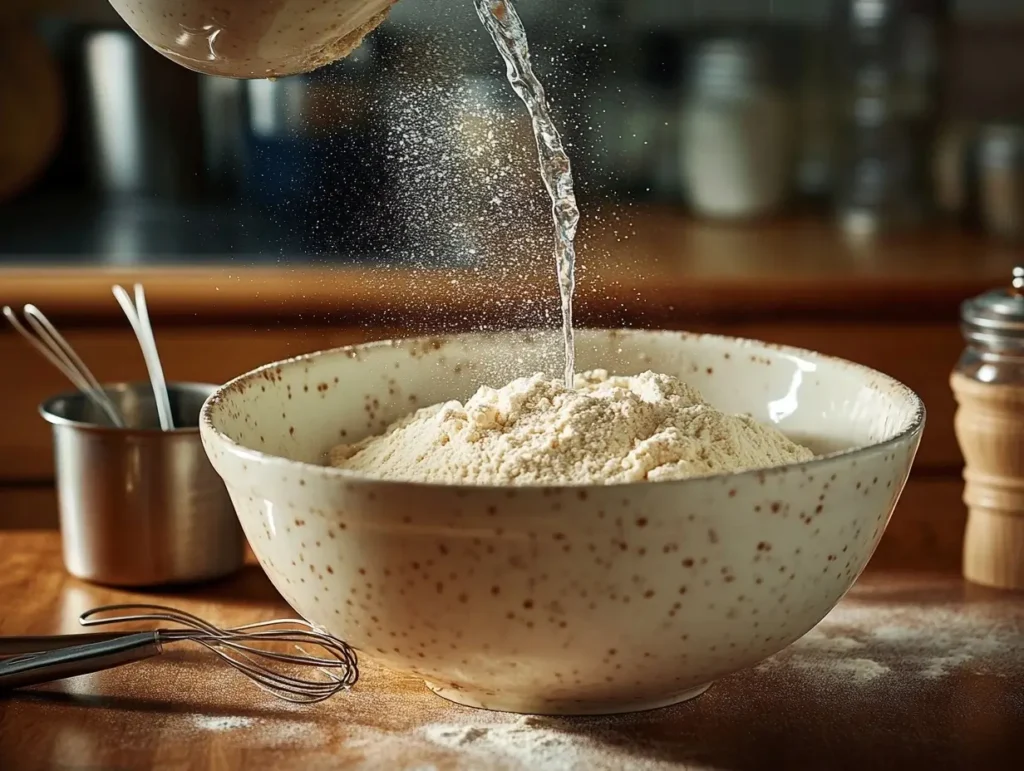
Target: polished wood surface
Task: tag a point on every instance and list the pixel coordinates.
(911, 671)
(890, 304)
(639, 265)
(188, 354)
(920, 355)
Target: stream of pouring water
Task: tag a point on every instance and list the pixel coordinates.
(506, 29)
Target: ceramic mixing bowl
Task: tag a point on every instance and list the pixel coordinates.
(589, 599)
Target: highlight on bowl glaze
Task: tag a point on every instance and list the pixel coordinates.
(563, 600)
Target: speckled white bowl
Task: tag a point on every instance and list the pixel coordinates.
(576, 600)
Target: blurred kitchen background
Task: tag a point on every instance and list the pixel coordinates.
(873, 115)
(837, 175)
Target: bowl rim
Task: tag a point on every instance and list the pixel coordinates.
(208, 429)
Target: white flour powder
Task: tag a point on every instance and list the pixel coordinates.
(220, 723)
(540, 744)
(536, 431)
(862, 642)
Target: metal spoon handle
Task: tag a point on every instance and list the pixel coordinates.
(60, 663)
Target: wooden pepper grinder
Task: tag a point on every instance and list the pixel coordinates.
(988, 384)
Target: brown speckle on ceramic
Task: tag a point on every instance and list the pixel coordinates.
(465, 586)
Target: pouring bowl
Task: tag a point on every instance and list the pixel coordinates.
(246, 39)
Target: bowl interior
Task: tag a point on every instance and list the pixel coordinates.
(300, 408)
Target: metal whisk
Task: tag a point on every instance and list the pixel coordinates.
(28, 661)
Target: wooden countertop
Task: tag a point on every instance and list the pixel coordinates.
(911, 671)
(890, 304)
(645, 266)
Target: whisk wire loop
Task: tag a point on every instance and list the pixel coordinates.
(242, 648)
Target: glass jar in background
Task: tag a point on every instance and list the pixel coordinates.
(736, 133)
(988, 383)
(624, 115)
(816, 141)
(1001, 181)
(887, 66)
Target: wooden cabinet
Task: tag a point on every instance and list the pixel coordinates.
(205, 354)
(892, 306)
(919, 355)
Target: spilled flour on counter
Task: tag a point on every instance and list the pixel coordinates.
(607, 429)
(505, 742)
(539, 744)
(861, 642)
(221, 723)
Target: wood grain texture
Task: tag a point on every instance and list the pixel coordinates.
(805, 710)
(28, 507)
(926, 531)
(891, 304)
(920, 355)
(189, 354)
(649, 265)
(989, 428)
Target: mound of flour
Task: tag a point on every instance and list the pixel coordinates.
(536, 431)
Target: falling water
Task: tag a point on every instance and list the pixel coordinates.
(506, 29)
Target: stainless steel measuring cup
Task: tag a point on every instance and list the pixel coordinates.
(140, 506)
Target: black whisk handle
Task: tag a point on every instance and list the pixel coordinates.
(22, 645)
(75, 660)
